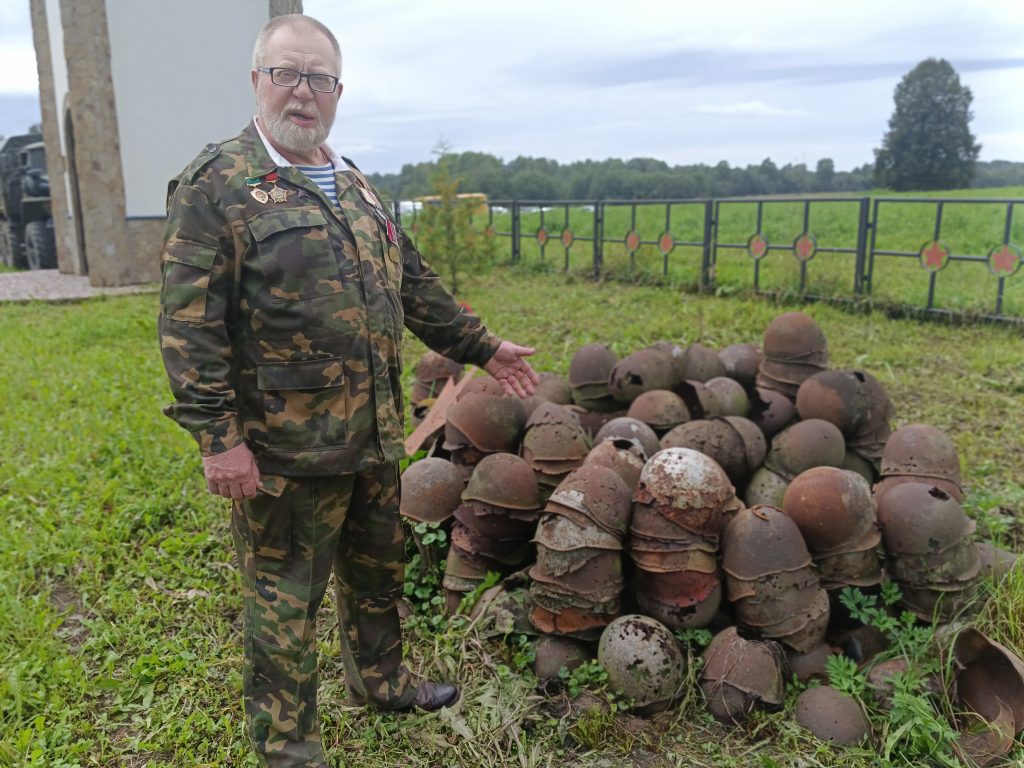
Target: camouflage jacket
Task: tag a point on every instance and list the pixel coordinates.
(281, 322)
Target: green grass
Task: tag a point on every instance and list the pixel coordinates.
(970, 229)
(119, 603)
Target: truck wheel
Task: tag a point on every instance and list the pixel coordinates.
(16, 248)
(40, 249)
(6, 257)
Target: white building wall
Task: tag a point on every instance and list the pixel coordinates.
(55, 32)
(181, 80)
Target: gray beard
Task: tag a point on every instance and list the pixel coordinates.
(291, 137)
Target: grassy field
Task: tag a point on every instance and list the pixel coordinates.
(970, 228)
(119, 602)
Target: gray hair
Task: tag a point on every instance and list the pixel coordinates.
(291, 20)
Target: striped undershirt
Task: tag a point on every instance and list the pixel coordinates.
(323, 177)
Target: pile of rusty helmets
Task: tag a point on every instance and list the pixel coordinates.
(554, 444)
(681, 430)
(494, 523)
(795, 349)
(680, 506)
(577, 581)
(771, 581)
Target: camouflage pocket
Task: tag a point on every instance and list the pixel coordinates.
(304, 403)
(187, 268)
(295, 253)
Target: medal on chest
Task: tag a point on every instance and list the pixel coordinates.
(262, 196)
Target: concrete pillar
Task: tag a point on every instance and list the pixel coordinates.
(97, 146)
(68, 258)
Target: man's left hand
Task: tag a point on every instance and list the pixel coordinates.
(510, 368)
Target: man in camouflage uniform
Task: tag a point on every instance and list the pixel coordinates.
(281, 325)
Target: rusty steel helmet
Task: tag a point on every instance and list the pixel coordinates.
(742, 675)
(640, 372)
(765, 487)
(761, 541)
(919, 519)
(554, 434)
(715, 438)
(430, 490)
(754, 442)
(622, 456)
(481, 385)
(700, 363)
(643, 661)
(989, 675)
(684, 479)
(770, 410)
(659, 409)
(625, 426)
(795, 337)
(434, 366)
(923, 450)
(839, 397)
(491, 424)
(832, 716)
(741, 363)
(832, 508)
(880, 405)
(598, 493)
(562, 534)
(684, 609)
(592, 364)
(553, 653)
(728, 397)
(504, 480)
(806, 444)
(553, 388)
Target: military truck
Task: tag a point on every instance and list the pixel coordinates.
(26, 221)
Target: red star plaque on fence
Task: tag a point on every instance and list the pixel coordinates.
(757, 246)
(1004, 260)
(934, 255)
(567, 237)
(805, 246)
(632, 241)
(666, 243)
(542, 236)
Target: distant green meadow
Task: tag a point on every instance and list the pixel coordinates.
(967, 228)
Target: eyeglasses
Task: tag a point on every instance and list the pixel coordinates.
(289, 78)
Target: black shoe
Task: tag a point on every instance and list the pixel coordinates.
(432, 696)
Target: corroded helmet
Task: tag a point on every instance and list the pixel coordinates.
(640, 372)
(795, 337)
(430, 490)
(741, 363)
(592, 364)
(806, 444)
(491, 424)
(504, 480)
(643, 660)
(741, 675)
(701, 363)
(920, 449)
(659, 409)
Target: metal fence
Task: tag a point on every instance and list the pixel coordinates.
(956, 257)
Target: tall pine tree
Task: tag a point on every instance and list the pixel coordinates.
(929, 144)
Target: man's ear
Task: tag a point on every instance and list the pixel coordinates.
(254, 76)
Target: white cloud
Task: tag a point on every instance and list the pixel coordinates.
(746, 109)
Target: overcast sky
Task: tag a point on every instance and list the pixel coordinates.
(686, 82)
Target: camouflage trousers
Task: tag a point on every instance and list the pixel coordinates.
(288, 540)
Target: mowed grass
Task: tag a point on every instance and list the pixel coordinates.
(970, 229)
(119, 601)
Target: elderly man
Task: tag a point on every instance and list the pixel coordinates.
(286, 285)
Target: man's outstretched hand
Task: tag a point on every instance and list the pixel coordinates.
(510, 367)
(232, 474)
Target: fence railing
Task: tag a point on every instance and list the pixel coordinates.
(938, 256)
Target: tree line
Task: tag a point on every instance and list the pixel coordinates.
(928, 146)
(531, 178)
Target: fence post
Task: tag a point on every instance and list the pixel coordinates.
(707, 259)
(598, 238)
(863, 225)
(515, 232)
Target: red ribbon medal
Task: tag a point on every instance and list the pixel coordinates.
(392, 232)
